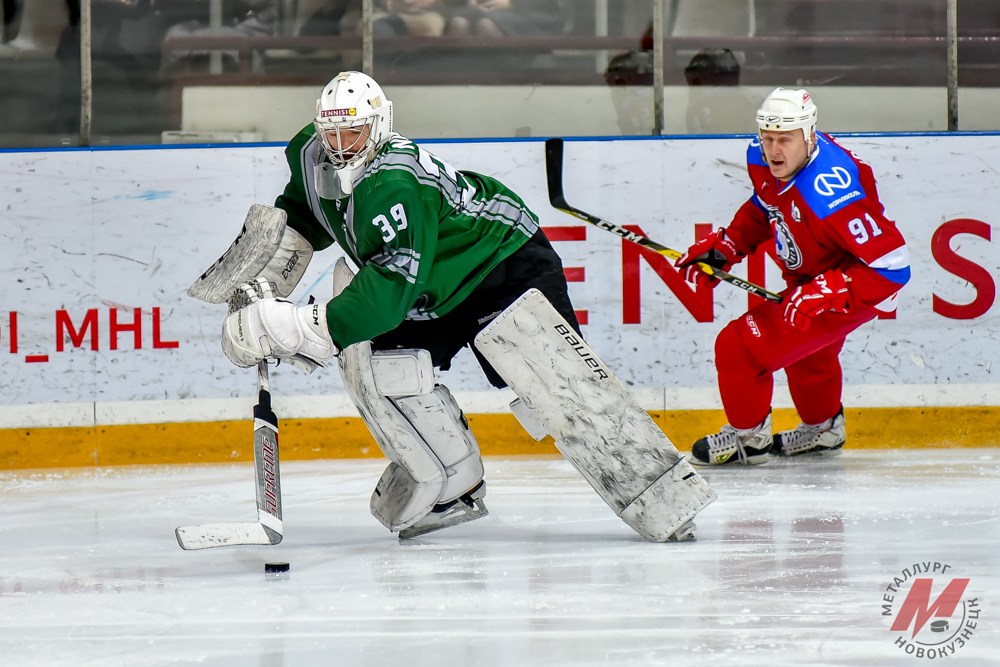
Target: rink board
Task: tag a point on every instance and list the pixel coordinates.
(105, 242)
(499, 435)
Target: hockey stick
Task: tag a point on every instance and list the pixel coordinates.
(268, 528)
(553, 171)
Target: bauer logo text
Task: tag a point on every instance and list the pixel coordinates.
(582, 350)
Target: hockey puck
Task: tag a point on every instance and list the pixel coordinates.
(275, 568)
(939, 626)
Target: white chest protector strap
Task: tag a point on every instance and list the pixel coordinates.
(267, 248)
(596, 423)
(417, 425)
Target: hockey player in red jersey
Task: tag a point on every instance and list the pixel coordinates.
(843, 260)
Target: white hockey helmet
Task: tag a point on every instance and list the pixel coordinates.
(785, 110)
(352, 101)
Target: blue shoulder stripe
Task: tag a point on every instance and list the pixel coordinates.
(898, 276)
(754, 155)
(831, 180)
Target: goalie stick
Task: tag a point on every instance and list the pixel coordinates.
(268, 527)
(553, 171)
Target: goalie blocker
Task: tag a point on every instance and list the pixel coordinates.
(566, 391)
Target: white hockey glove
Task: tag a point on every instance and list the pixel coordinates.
(276, 328)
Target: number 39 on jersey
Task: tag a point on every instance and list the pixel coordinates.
(385, 227)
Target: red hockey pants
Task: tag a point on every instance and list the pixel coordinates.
(751, 348)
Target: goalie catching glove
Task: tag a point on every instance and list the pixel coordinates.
(717, 250)
(276, 328)
(827, 292)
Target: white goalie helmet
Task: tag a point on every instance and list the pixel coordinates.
(352, 101)
(785, 110)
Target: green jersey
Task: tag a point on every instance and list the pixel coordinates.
(423, 234)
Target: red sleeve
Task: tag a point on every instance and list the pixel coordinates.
(750, 227)
(878, 264)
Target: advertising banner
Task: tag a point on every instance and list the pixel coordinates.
(100, 246)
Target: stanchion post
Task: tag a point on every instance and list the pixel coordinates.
(952, 65)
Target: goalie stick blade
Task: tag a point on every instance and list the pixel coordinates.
(210, 535)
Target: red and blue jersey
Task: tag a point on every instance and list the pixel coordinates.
(828, 216)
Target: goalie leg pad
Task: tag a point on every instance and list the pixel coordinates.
(440, 422)
(435, 458)
(663, 511)
(406, 494)
(596, 423)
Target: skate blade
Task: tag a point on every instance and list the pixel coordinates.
(757, 460)
(822, 452)
(460, 513)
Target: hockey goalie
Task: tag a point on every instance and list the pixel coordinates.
(446, 259)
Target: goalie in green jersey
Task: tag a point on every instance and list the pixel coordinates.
(445, 259)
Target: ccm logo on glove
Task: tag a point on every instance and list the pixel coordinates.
(276, 328)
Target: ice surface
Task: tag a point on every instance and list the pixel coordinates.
(789, 568)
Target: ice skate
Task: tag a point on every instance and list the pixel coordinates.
(468, 507)
(732, 445)
(828, 436)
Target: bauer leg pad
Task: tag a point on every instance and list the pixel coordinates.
(596, 423)
(420, 428)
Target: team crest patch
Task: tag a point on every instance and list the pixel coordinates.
(796, 214)
(784, 243)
